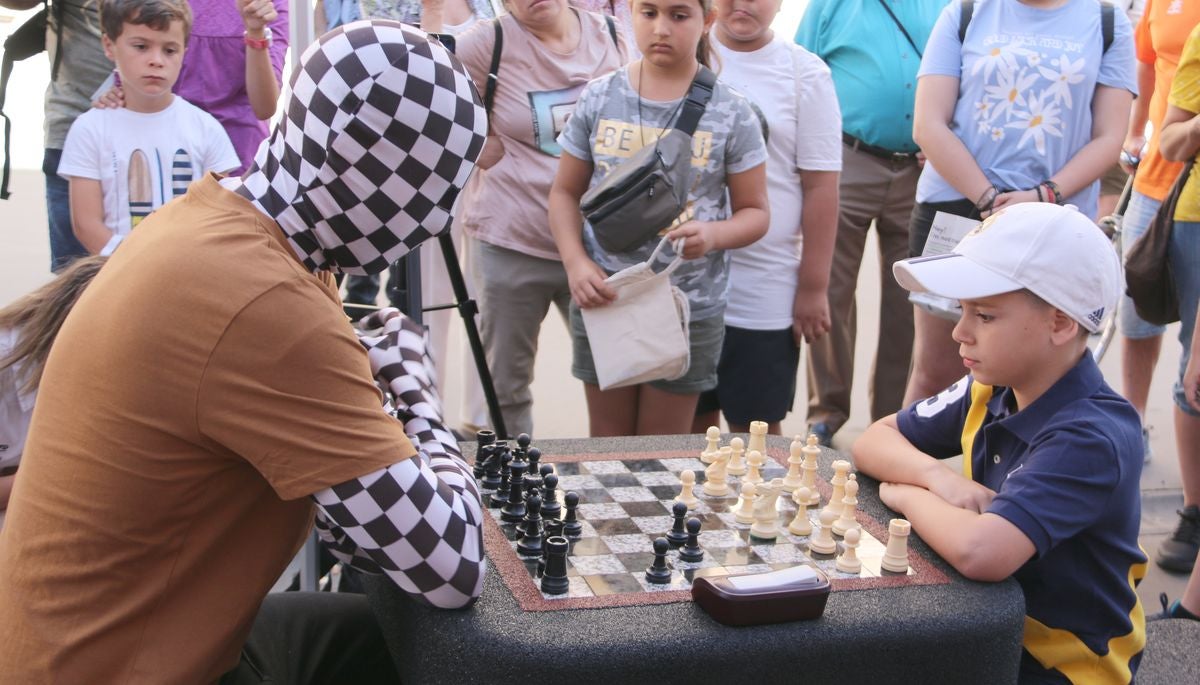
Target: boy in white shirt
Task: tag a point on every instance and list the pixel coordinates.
(123, 163)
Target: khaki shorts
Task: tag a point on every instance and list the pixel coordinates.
(1113, 181)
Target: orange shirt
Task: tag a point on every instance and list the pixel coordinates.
(1160, 37)
(203, 387)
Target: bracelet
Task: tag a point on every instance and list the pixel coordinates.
(1041, 197)
(987, 199)
(1053, 188)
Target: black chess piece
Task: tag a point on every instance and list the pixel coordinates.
(514, 510)
(678, 536)
(534, 455)
(554, 577)
(523, 441)
(551, 526)
(691, 551)
(572, 528)
(499, 498)
(550, 506)
(487, 459)
(658, 572)
(483, 438)
(530, 544)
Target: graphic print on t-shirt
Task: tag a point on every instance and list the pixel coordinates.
(144, 177)
(551, 109)
(181, 172)
(141, 190)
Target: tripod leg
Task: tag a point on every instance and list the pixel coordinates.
(467, 308)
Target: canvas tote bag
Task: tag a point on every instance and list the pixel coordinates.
(642, 335)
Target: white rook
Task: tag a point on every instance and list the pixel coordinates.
(895, 557)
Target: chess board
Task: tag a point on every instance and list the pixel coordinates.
(625, 503)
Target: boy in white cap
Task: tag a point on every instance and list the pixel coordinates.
(1049, 491)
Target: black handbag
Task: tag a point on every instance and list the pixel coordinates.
(649, 190)
(1149, 279)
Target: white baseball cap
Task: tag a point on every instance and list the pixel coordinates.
(1053, 251)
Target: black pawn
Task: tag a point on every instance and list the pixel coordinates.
(554, 579)
(658, 572)
(482, 439)
(530, 544)
(514, 510)
(499, 498)
(523, 441)
(534, 455)
(550, 506)
(678, 536)
(572, 528)
(691, 551)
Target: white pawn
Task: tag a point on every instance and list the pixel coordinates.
(849, 562)
(841, 467)
(766, 518)
(737, 464)
(756, 461)
(808, 479)
(849, 512)
(714, 475)
(745, 512)
(800, 525)
(687, 493)
(895, 557)
(823, 542)
(795, 457)
(713, 436)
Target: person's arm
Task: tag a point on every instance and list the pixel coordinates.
(6, 485)
(818, 221)
(1135, 137)
(1180, 134)
(983, 547)
(883, 453)
(430, 501)
(1110, 121)
(87, 213)
(320, 23)
(747, 223)
(19, 4)
(584, 276)
(262, 86)
(432, 15)
(933, 111)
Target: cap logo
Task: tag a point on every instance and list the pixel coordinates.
(984, 225)
(1096, 316)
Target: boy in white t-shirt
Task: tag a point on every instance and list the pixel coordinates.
(123, 163)
(778, 285)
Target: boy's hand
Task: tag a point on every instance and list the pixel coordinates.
(587, 282)
(697, 238)
(1011, 198)
(810, 315)
(113, 98)
(256, 14)
(961, 492)
(896, 495)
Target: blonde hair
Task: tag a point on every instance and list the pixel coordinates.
(36, 317)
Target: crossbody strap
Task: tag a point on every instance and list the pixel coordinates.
(696, 100)
(489, 92)
(900, 26)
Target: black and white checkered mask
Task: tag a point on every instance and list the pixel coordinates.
(382, 128)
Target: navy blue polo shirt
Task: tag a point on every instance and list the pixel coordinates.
(1066, 472)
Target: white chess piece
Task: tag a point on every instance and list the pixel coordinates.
(823, 542)
(766, 517)
(849, 513)
(795, 457)
(841, 468)
(687, 493)
(745, 512)
(715, 476)
(758, 437)
(800, 525)
(808, 479)
(756, 461)
(849, 561)
(737, 462)
(895, 557)
(713, 436)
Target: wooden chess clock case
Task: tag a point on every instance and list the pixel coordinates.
(793, 594)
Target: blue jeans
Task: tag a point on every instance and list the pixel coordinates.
(1138, 215)
(64, 247)
(1185, 264)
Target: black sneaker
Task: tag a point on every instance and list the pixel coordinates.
(823, 433)
(1171, 610)
(1179, 553)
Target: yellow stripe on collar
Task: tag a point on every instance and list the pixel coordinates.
(980, 394)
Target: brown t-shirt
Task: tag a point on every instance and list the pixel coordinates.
(203, 387)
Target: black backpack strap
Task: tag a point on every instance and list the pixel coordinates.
(964, 20)
(489, 92)
(1106, 25)
(696, 100)
(612, 28)
(6, 67)
(56, 9)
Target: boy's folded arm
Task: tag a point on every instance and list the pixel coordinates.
(984, 547)
(87, 213)
(883, 453)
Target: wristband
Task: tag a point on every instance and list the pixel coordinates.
(1041, 197)
(258, 43)
(987, 199)
(1053, 188)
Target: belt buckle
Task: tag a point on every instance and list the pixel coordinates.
(902, 156)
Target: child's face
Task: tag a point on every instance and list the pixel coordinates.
(667, 31)
(148, 61)
(1004, 339)
(746, 21)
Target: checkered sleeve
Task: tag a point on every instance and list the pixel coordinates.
(419, 520)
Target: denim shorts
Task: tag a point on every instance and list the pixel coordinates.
(705, 337)
(1138, 215)
(1185, 263)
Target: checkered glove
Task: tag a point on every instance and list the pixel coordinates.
(419, 520)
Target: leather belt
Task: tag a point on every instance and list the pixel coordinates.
(7, 471)
(876, 151)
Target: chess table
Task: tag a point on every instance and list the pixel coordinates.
(928, 625)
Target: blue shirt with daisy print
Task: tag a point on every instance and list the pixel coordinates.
(1026, 80)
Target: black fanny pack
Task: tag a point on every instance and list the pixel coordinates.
(648, 191)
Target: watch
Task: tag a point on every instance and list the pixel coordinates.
(258, 43)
